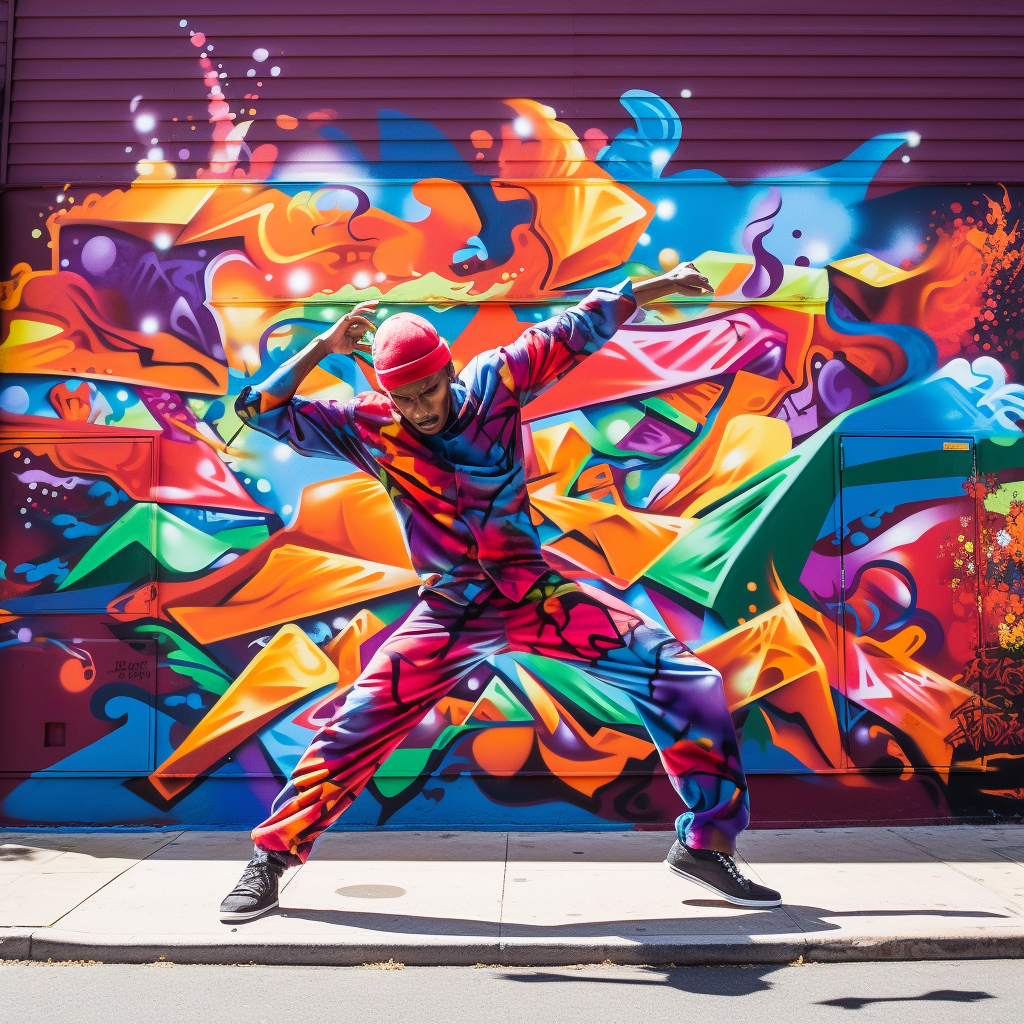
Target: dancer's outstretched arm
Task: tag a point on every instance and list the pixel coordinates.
(548, 351)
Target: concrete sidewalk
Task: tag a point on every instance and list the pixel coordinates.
(514, 898)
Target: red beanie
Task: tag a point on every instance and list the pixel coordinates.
(406, 348)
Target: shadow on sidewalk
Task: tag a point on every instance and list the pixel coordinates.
(789, 919)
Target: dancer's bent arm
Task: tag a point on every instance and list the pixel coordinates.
(313, 428)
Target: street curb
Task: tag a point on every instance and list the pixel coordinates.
(15, 943)
(443, 951)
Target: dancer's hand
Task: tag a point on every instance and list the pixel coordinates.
(683, 279)
(686, 279)
(347, 335)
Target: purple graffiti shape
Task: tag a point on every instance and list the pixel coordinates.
(840, 388)
(767, 273)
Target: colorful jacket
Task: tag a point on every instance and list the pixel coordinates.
(460, 494)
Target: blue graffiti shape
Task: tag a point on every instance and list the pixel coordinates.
(319, 632)
(75, 528)
(192, 700)
(55, 567)
(918, 347)
(110, 495)
(767, 273)
(406, 141)
(641, 153)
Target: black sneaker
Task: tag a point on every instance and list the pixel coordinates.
(256, 892)
(718, 872)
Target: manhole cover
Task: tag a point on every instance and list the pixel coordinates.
(371, 892)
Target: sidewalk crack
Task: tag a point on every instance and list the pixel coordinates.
(176, 835)
(501, 905)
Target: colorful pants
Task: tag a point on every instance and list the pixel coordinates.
(679, 699)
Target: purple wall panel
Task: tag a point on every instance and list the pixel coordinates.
(797, 86)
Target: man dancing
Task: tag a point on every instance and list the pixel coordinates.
(448, 447)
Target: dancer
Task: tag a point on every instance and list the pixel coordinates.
(449, 449)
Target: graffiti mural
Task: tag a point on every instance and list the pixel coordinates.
(813, 478)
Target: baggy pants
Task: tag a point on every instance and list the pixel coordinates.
(679, 699)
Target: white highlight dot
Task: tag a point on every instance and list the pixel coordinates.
(644, 239)
(275, 71)
(162, 241)
(145, 123)
(818, 251)
(149, 325)
(60, 198)
(913, 139)
(156, 153)
(666, 209)
(251, 73)
(260, 54)
(300, 281)
(263, 486)
(905, 159)
(659, 158)
(685, 93)
(183, 23)
(122, 395)
(127, 149)
(523, 127)
(361, 280)
(286, 510)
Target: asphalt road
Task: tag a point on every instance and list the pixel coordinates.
(932, 992)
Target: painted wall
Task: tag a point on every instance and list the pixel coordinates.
(810, 479)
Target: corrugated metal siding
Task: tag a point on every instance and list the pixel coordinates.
(789, 84)
(5, 26)
(5, 8)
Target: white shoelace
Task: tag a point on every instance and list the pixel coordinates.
(730, 865)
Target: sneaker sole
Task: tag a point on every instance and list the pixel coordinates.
(231, 916)
(735, 900)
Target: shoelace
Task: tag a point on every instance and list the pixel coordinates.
(730, 865)
(252, 883)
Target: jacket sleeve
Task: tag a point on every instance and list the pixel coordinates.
(311, 428)
(550, 350)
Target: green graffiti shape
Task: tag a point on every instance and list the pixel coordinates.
(176, 545)
(188, 660)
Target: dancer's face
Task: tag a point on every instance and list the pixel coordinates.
(426, 403)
